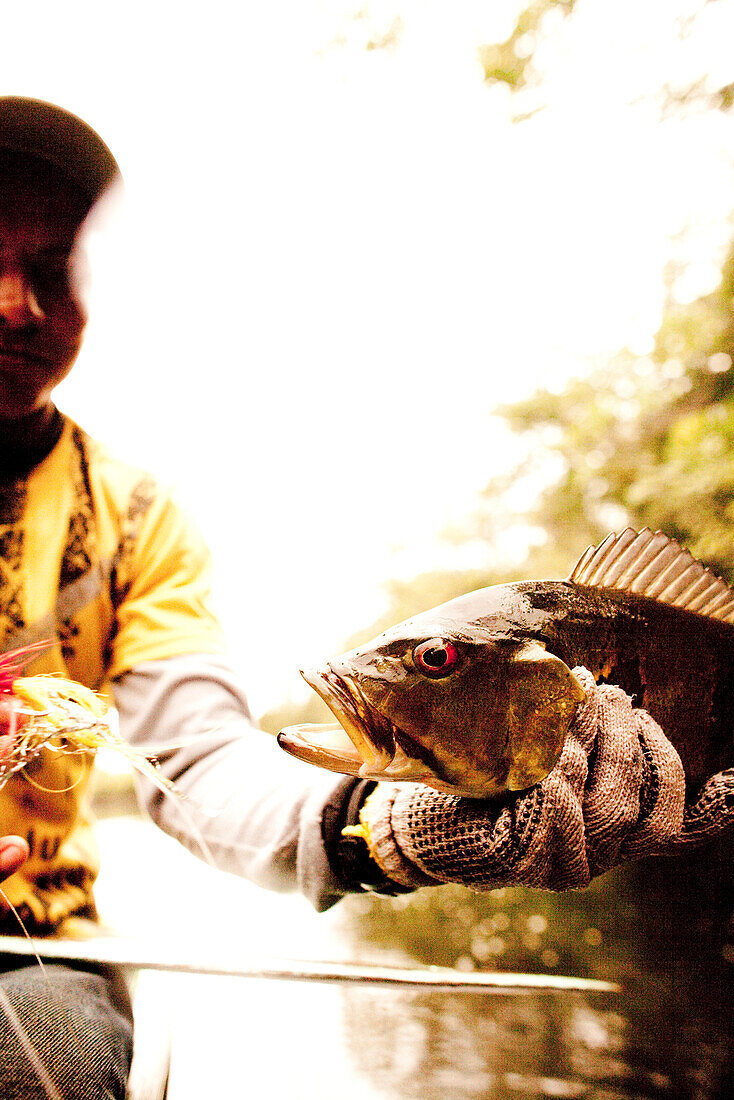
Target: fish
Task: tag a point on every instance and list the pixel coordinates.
(475, 697)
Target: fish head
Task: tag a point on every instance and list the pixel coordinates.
(458, 707)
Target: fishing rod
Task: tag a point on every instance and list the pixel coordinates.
(137, 955)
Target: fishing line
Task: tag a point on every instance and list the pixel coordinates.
(21, 1034)
(28, 1049)
(179, 802)
(55, 708)
(54, 790)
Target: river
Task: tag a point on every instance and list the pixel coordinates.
(667, 1035)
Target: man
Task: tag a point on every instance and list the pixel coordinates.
(97, 557)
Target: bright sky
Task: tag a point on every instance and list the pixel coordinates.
(332, 262)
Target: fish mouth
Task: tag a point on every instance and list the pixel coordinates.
(362, 742)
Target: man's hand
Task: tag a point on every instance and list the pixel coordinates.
(13, 849)
(616, 793)
(13, 853)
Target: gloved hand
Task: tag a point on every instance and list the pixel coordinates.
(617, 793)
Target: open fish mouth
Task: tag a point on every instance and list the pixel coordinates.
(362, 742)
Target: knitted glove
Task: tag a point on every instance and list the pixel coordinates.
(616, 793)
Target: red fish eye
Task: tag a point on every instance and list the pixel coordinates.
(436, 657)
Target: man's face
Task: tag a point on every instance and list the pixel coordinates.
(42, 316)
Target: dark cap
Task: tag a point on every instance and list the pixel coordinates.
(52, 134)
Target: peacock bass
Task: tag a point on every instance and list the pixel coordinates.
(476, 696)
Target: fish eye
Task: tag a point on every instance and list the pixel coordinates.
(436, 657)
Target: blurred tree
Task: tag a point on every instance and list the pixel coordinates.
(512, 62)
(519, 61)
(646, 441)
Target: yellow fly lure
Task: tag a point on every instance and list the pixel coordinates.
(50, 712)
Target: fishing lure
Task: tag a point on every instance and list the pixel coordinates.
(59, 715)
(50, 715)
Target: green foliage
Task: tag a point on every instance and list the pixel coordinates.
(614, 930)
(514, 62)
(645, 441)
(407, 598)
(507, 929)
(511, 62)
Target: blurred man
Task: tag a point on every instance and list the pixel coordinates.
(96, 556)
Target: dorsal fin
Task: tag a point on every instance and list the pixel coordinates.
(653, 565)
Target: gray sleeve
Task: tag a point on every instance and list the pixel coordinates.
(257, 809)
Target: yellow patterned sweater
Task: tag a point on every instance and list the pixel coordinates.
(97, 557)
